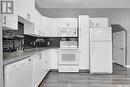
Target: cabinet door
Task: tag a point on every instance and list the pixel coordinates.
(47, 61)
(44, 54)
(37, 21)
(35, 70)
(84, 41)
(47, 26)
(67, 22)
(24, 8)
(53, 59)
(33, 26)
(98, 22)
(18, 74)
(84, 58)
(43, 25)
(83, 22)
(54, 28)
(10, 21)
(21, 8)
(41, 67)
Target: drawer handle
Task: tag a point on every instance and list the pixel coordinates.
(30, 60)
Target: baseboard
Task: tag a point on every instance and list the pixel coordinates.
(53, 70)
(81, 70)
(127, 66)
(84, 70)
(101, 73)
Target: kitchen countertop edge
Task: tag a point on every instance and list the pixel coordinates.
(10, 60)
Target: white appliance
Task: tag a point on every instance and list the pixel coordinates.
(68, 60)
(100, 50)
(68, 56)
(18, 74)
(68, 44)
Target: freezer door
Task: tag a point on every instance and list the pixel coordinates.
(100, 34)
(101, 57)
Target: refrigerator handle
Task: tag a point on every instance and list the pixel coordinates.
(79, 31)
(93, 40)
(92, 48)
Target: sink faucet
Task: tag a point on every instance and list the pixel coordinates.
(19, 51)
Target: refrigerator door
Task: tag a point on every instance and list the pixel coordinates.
(100, 34)
(100, 57)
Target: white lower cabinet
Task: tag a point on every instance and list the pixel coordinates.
(46, 61)
(27, 72)
(19, 74)
(54, 58)
(35, 70)
(40, 67)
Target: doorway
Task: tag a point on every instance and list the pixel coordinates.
(119, 47)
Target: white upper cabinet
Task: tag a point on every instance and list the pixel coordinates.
(72, 22)
(43, 25)
(51, 27)
(37, 21)
(34, 27)
(67, 27)
(25, 8)
(98, 22)
(11, 20)
(47, 27)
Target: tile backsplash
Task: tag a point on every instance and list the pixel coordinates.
(12, 39)
(15, 39)
(29, 42)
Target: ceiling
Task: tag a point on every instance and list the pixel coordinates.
(83, 3)
(117, 28)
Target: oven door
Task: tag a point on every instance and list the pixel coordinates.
(68, 56)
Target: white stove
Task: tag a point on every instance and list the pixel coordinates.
(68, 56)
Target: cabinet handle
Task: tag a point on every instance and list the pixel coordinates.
(39, 32)
(43, 33)
(4, 20)
(28, 16)
(30, 60)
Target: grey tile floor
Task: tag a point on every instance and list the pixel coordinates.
(119, 78)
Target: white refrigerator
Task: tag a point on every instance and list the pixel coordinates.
(101, 50)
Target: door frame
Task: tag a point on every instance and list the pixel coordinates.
(125, 58)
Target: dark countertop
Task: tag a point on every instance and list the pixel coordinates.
(10, 57)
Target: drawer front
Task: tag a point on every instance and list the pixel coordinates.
(64, 68)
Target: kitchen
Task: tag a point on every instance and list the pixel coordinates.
(36, 47)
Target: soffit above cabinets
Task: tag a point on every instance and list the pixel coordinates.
(83, 3)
